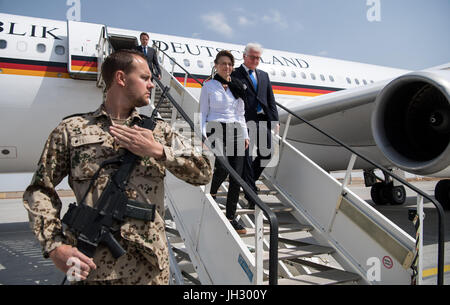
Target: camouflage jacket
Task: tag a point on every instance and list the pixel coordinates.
(76, 148)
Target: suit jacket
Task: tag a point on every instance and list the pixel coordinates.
(264, 95)
(152, 60)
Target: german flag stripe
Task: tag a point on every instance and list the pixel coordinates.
(89, 64)
(190, 81)
(84, 64)
(278, 88)
(26, 67)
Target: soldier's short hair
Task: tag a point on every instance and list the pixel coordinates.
(121, 60)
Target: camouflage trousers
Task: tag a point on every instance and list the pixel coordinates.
(147, 274)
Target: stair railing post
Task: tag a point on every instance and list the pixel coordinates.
(259, 249)
(348, 174)
(419, 236)
(283, 140)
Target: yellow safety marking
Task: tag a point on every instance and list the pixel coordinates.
(433, 271)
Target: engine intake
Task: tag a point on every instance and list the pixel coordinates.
(411, 122)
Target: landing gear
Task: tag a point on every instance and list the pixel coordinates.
(442, 193)
(384, 192)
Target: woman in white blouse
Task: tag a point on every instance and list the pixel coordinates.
(223, 109)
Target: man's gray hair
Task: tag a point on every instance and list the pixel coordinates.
(253, 46)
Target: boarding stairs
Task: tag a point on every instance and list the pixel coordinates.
(326, 233)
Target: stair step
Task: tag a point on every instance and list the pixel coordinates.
(304, 251)
(297, 228)
(328, 277)
(275, 209)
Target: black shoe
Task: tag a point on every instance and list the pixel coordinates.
(237, 226)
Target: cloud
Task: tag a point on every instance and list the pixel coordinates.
(244, 21)
(218, 23)
(272, 18)
(275, 17)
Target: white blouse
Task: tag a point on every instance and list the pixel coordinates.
(218, 104)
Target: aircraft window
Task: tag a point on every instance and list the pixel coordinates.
(293, 74)
(331, 78)
(283, 73)
(187, 63)
(272, 71)
(322, 77)
(356, 81)
(200, 64)
(349, 80)
(371, 81)
(303, 75)
(3, 44)
(60, 50)
(22, 46)
(313, 76)
(41, 47)
(365, 82)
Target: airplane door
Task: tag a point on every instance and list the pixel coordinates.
(112, 40)
(83, 54)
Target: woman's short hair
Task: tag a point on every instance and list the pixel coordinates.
(119, 60)
(224, 53)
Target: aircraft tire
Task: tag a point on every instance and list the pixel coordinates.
(442, 193)
(378, 195)
(396, 194)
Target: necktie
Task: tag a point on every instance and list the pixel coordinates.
(252, 77)
(255, 84)
(145, 50)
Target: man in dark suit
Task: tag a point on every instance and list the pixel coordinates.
(260, 112)
(150, 54)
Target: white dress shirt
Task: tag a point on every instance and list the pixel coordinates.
(218, 104)
(254, 72)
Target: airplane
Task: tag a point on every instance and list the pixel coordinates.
(398, 118)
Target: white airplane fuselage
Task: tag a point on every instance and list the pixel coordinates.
(38, 57)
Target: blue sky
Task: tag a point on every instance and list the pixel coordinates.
(410, 34)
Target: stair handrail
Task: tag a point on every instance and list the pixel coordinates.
(440, 210)
(253, 197)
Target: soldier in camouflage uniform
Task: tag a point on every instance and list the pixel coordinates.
(80, 144)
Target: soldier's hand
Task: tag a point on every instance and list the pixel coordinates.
(138, 140)
(67, 258)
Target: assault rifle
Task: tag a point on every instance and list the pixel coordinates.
(95, 225)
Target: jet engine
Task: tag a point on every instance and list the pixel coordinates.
(411, 123)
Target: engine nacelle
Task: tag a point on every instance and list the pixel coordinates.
(411, 122)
